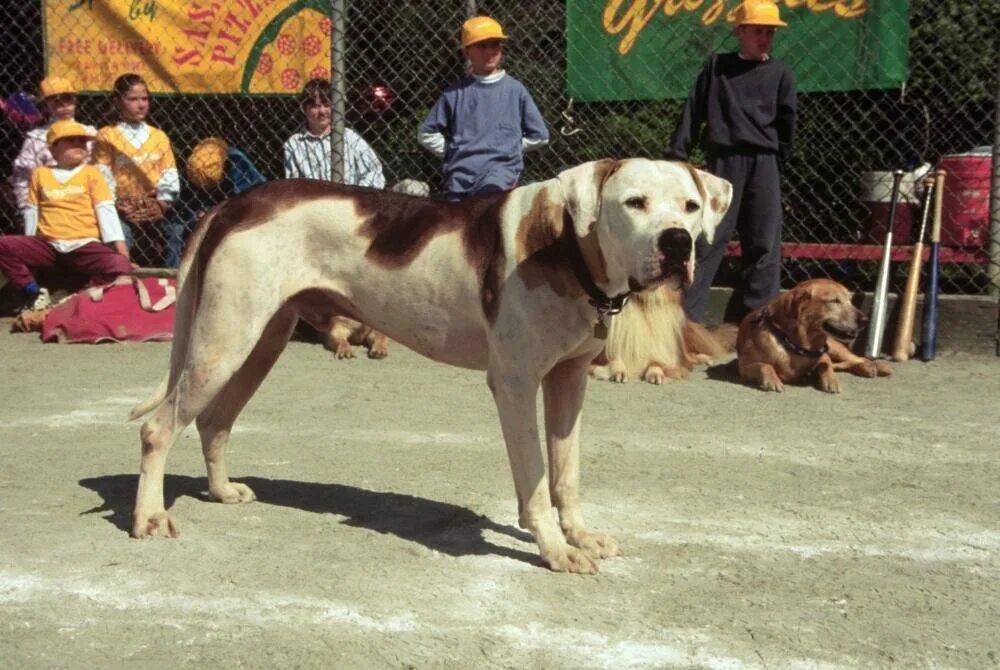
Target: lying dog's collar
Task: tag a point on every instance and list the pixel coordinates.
(786, 341)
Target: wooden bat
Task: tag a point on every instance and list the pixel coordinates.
(876, 325)
(928, 335)
(903, 343)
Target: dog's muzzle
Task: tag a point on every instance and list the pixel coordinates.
(675, 245)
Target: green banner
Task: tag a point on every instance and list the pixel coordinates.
(654, 49)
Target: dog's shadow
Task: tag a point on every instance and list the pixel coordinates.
(443, 527)
(725, 372)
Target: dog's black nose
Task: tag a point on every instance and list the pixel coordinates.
(675, 243)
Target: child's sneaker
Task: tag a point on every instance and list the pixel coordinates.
(42, 300)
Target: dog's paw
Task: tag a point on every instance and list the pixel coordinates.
(829, 383)
(654, 375)
(157, 523)
(882, 369)
(378, 351)
(597, 545)
(344, 350)
(771, 384)
(570, 559)
(232, 493)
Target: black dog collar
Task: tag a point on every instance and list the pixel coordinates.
(786, 341)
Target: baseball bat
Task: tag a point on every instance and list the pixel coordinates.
(876, 327)
(908, 305)
(928, 335)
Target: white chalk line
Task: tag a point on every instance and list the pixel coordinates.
(260, 607)
(958, 545)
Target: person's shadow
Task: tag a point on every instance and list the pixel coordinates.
(450, 529)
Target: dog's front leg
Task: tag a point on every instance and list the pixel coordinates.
(563, 389)
(515, 393)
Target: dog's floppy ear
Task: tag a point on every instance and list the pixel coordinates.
(581, 191)
(716, 194)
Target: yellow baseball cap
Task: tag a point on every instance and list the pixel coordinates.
(480, 29)
(60, 130)
(54, 86)
(759, 13)
(206, 166)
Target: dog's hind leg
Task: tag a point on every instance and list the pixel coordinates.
(563, 390)
(217, 352)
(216, 421)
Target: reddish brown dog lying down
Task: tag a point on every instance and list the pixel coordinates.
(803, 331)
(342, 333)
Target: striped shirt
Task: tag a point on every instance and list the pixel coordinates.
(308, 155)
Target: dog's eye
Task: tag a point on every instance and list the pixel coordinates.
(691, 206)
(636, 202)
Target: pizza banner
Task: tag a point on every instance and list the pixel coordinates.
(654, 49)
(189, 46)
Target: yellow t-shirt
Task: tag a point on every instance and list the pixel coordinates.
(136, 169)
(66, 210)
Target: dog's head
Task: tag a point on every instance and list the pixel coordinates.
(644, 217)
(825, 305)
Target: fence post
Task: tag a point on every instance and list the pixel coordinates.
(337, 87)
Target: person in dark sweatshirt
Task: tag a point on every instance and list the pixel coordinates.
(482, 125)
(747, 102)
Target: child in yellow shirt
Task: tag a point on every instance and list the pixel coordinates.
(69, 220)
(139, 164)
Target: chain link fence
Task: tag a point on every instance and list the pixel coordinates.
(399, 57)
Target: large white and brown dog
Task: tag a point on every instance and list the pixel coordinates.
(518, 284)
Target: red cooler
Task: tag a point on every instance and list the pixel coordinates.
(965, 215)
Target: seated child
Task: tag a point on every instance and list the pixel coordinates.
(69, 220)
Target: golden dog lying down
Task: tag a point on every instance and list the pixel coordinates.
(803, 331)
(652, 339)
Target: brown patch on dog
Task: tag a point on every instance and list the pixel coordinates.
(808, 317)
(540, 226)
(400, 227)
(702, 191)
(603, 170)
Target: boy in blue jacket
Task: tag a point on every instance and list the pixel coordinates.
(482, 125)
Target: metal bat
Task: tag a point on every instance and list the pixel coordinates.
(876, 326)
(928, 335)
(903, 343)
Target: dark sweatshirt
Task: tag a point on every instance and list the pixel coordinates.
(749, 107)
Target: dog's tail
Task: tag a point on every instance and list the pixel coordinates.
(711, 343)
(188, 293)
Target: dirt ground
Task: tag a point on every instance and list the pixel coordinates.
(760, 530)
